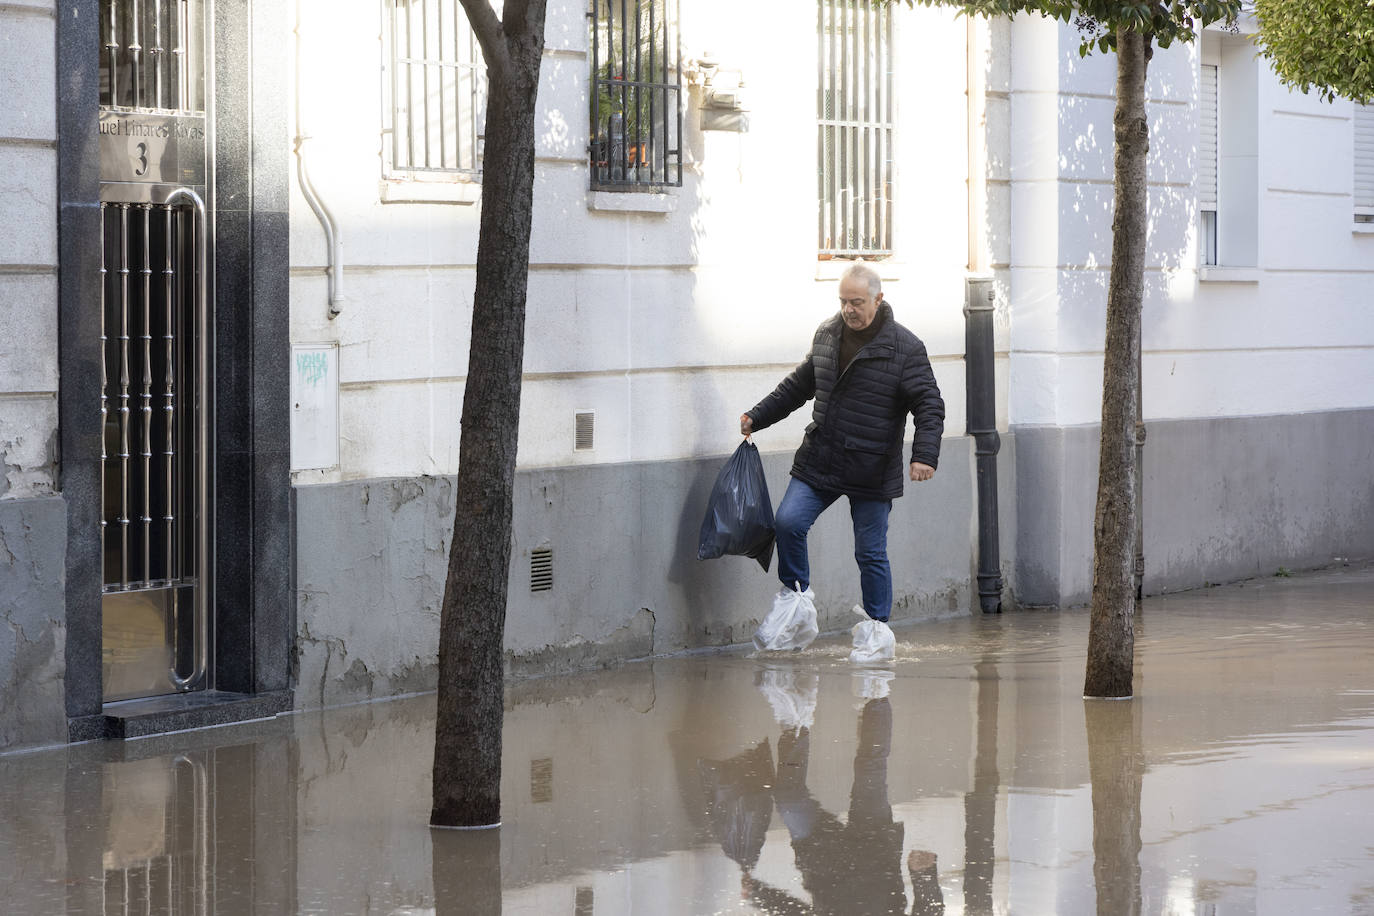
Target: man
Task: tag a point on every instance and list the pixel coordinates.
(867, 373)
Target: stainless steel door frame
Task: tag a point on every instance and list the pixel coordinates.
(157, 172)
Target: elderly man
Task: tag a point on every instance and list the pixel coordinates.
(867, 373)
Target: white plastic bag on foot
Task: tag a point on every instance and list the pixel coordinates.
(791, 624)
(874, 641)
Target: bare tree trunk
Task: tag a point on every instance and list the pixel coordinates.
(1111, 636)
(467, 746)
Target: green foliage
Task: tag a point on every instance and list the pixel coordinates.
(1323, 44)
(1098, 20)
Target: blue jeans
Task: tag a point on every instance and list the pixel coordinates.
(801, 505)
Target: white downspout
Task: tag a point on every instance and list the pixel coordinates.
(333, 235)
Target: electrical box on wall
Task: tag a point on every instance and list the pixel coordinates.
(314, 406)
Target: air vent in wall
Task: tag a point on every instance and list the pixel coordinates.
(541, 569)
(584, 434)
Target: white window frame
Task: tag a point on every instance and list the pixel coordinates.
(1362, 118)
(1238, 167)
(1207, 162)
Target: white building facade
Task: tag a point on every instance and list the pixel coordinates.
(699, 189)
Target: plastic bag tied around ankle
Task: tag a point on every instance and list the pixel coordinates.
(874, 643)
(791, 624)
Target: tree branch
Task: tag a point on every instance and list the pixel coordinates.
(490, 34)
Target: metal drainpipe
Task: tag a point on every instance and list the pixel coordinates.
(1139, 479)
(981, 385)
(981, 299)
(333, 236)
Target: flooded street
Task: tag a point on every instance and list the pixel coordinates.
(968, 777)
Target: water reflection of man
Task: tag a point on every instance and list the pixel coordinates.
(851, 867)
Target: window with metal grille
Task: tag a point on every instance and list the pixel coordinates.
(636, 111)
(1364, 163)
(855, 141)
(436, 90)
(151, 54)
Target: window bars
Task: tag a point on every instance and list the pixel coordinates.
(151, 51)
(636, 109)
(437, 87)
(855, 127)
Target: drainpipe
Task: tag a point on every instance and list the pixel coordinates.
(980, 383)
(333, 236)
(1139, 477)
(979, 309)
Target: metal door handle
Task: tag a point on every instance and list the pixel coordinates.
(204, 399)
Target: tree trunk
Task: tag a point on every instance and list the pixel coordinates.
(467, 746)
(1111, 636)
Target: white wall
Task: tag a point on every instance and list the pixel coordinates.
(667, 325)
(1292, 333)
(28, 249)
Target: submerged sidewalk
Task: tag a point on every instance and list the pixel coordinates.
(968, 777)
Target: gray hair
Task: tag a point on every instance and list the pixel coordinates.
(861, 271)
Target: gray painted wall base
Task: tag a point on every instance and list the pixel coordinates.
(1225, 499)
(372, 559)
(33, 621)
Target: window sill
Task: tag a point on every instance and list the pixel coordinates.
(834, 268)
(1215, 274)
(632, 202)
(1362, 229)
(431, 192)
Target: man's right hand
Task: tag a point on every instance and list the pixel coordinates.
(746, 424)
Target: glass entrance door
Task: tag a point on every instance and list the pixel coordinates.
(155, 344)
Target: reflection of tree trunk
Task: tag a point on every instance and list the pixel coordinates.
(467, 872)
(1111, 643)
(1116, 766)
(467, 747)
(980, 805)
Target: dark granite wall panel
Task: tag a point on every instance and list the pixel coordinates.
(255, 617)
(78, 183)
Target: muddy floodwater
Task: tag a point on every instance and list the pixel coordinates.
(969, 776)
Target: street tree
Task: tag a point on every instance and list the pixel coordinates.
(472, 623)
(1132, 30)
(1327, 45)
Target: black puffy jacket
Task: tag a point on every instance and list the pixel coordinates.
(853, 444)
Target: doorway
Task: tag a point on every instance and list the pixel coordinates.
(156, 351)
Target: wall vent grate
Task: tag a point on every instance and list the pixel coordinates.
(584, 430)
(541, 569)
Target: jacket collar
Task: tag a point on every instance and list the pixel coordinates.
(887, 334)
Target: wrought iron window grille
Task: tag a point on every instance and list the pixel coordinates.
(636, 98)
(856, 129)
(436, 92)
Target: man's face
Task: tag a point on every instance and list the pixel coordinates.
(856, 306)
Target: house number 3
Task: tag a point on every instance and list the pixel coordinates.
(141, 158)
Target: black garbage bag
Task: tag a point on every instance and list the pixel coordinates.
(739, 801)
(739, 516)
